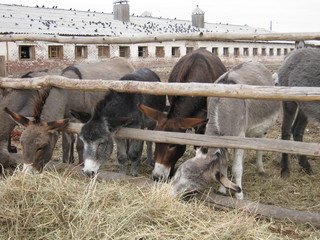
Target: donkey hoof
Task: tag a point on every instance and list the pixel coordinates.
(308, 170)
(263, 175)
(285, 173)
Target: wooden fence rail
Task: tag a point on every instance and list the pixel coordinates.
(263, 144)
(187, 89)
(164, 38)
(162, 88)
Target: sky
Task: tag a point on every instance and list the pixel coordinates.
(277, 15)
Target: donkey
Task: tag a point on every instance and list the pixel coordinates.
(198, 66)
(58, 105)
(230, 117)
(114, 111)
(19, 101)
(44, 146)
(300, 69)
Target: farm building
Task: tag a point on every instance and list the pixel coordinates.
(22, 54)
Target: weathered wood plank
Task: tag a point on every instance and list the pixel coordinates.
(263, 144)
(269, 211)
(165, 37)
(161, 88)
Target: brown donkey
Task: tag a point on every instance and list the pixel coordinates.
(38, 151)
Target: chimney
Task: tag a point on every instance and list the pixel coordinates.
(198, 18)
(121, 11)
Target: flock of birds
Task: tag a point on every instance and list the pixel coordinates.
(92, 23)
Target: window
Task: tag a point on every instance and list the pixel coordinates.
(278, 51)
(236, 52)
(225, 51)
(285, 51)
(245, 51)
(263, 52)
(26, 52)
(124, 51)
(215, 51)
(159, 51)
(143, 51)
(175, 52)
(81, 51)
(255, 51)
(103, 51)
(189, 49)
(271, 52)
(55, 52)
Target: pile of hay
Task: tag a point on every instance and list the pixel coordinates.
(57, 206)
(52, 205)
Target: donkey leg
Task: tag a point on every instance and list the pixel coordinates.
(298, 129)
(80, 147)
(67, 147)
(237, 170)
(122, 154)
(150, 154)
(135, 152)
(289, 112)
(259, 164)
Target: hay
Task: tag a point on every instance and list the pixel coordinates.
(53, 206)
(77, 208)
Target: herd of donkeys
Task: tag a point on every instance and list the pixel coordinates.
(47, 112)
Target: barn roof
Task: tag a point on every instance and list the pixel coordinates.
(17, 19)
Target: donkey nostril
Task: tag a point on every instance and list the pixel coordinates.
(155, 178)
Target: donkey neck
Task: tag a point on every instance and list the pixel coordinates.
(55, 105)
(188, 107)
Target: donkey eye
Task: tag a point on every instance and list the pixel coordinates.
(40, 149)
(172, 146)
(101, 144)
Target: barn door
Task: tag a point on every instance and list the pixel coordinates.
(2, 66)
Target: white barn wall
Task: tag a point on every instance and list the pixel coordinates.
(17, 66)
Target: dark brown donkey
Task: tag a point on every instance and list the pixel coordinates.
(198, 66)
(58, 105)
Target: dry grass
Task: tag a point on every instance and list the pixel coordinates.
(53, 206)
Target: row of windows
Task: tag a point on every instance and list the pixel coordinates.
(56, 52)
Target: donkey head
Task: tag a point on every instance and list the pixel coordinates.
(166, 155)
(97, 133)
(197, 174)
(37, 140)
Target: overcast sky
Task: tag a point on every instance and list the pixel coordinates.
(285, 15)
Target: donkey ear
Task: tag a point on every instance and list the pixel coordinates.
(81, 116)
(152, 113)
(57, 125)
(18, 118)
(116, 122)
(185, 123)
(226, 182)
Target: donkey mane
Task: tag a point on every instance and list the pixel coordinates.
(100, 106)
(73, 69)
(38, 103)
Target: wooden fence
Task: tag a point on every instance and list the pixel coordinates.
(164, 38)
(191, 89)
